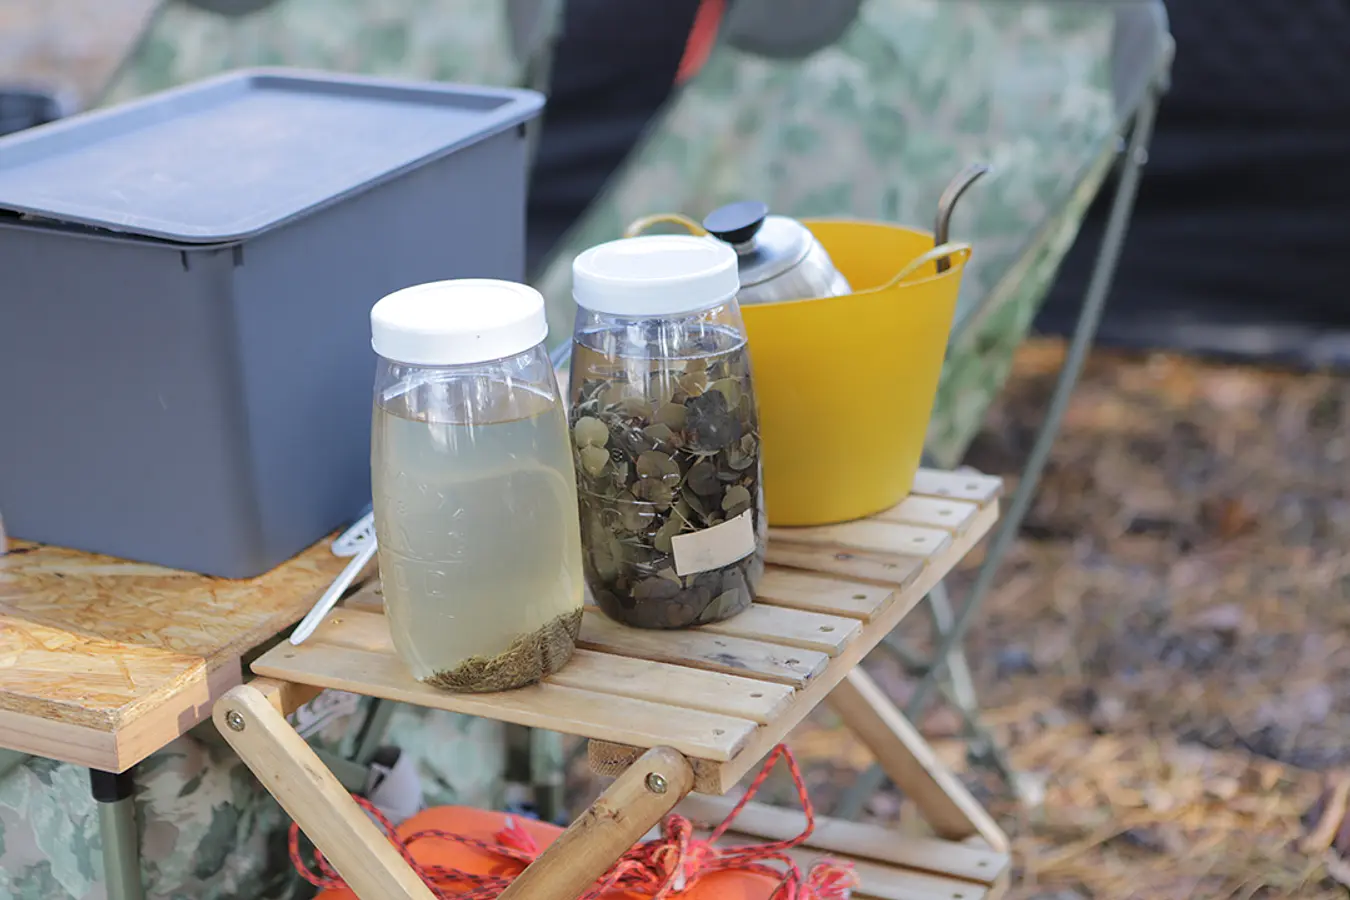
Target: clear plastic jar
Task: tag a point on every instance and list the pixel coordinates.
(665, 432)
(473, 485)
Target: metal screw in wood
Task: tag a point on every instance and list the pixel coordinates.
(656, 783)
(234, 720)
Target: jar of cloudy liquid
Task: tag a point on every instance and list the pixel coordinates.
(473, 486)
(665, 431)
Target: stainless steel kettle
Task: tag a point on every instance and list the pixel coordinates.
(778, 257)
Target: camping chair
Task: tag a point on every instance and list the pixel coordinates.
(872, 126)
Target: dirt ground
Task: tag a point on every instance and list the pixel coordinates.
(1167, 653)
(1166, 656)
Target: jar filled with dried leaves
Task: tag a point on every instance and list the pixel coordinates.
(665, 432)
(474, 492)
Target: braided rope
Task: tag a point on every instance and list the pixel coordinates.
(659, 868)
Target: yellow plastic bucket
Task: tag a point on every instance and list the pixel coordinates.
(845, 385)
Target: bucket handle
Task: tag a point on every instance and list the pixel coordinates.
(951, 248)
(638, 226)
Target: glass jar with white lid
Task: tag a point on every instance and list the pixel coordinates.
(473, 486)
(665, 432)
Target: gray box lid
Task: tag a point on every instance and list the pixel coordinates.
(225, 159)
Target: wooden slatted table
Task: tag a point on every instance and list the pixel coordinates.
(669, 713)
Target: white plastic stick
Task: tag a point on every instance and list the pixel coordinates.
(334, 593)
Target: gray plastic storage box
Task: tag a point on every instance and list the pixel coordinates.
(185, 292)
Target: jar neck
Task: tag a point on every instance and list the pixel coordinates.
(499, 389)
(704, 332)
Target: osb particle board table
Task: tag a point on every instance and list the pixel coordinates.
(670, 713)
(104, 661)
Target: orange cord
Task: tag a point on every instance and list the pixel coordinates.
(658, 869)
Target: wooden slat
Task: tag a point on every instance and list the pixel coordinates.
(549, 706)
(790, 628)
(640, 679)
(953, 516)
(714, 778)
(895, 570)
(714, 652)
(861, 841)
(357, 629)
(883, 882)
(603, 673)
(822, 594)
(285, 696)
(869, 536)
(957, 485)
(879, 882)
(903, 754)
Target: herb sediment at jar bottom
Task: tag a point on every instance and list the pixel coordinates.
(666, 449)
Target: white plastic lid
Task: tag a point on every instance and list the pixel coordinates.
(655, 275)
(450, 323)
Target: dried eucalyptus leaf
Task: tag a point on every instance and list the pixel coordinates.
(663, 387)
(694, 502)
(736, 501)
(729, 388)
(594, 459)
(660, 435)
(710, 424)
(672, 415)
(634, 408)
(680, 509)
(590, 432)
(654, 464)
(694, 383)
(666, 534)
(634, 516)
(702, 478)
(605, 561)
(654, 588)
(657, 493)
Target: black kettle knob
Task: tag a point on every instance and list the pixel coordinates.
(736, 223)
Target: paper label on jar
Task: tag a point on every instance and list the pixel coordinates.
(715, 547)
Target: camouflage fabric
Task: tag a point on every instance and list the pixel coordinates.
(468, 41)
(873, 127)
(208, 829)
(980, 356)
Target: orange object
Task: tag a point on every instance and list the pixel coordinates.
(702, 37)
(487, 826)
(845, 385)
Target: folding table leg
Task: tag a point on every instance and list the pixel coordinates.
(1103, 273)
(312, 796)
(637, 800)
(907, 760)
(113, 793)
